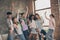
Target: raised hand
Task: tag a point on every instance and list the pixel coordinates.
(46, 16)
(27, 8)
(18, 11)
(45, 12)
(26, 11)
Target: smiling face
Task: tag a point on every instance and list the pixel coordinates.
(37, 16)
(23, 15)
(15, 20)
(32, 17)
(9, 16)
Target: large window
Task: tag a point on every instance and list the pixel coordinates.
(41, 6)
(41, 13)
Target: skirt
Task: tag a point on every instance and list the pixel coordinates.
(33, 31)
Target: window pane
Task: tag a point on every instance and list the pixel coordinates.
(40, 4)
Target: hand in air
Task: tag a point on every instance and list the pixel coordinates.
(45, 12)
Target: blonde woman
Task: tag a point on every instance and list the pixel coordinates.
(39, 21)
(18, 28)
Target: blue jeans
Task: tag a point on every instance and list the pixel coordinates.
(21, 37)
(26, 34)
(49, 35)
(10, 37)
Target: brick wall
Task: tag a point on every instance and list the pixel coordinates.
(6, 5)
(55, 11)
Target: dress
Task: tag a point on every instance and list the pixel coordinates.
(33, 27)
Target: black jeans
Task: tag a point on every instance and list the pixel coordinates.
(44, 33)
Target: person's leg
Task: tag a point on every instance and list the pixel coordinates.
(39, 37)
(44, 34)
(22, 37)
(49, 35)
(10, 34)
(10, 37)
(35, 36)
(26, 34)
(39, 34)
(30, 36)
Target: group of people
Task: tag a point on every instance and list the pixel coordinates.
(28, 27)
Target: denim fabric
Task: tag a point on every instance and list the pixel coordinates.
(49, 35)
(26, 34)
(21, 37)
(10, 37)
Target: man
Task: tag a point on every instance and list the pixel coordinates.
(10, 26)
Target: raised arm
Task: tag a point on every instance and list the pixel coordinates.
(54, 23)
(42, 20)
(46, 16)
(26, 12)
(17, 14)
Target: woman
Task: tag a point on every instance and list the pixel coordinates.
(51, 27)
(18, 28)
(23, 21)
(33, 28)
(39, 22)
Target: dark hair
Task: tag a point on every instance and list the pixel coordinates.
(30, 16)
(37, 14)
(21, 14)
(13, 19)
(14, 22)
(52, 15)
(9, 13)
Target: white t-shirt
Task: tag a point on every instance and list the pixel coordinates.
(32, 24)
(10, 24)
(18, 29)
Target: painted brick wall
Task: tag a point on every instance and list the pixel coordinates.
(55, 11)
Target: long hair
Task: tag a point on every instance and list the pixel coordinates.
(13, 21)
(38, 16)
(52, 15)
(30, 17)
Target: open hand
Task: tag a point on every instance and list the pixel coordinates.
(27, 7)
(45, 12)
(17, 11)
